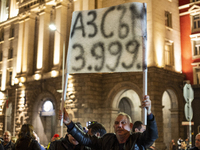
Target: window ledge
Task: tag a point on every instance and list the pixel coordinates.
(168, 28)
(11, 38)
(195, 56)
(10, 59)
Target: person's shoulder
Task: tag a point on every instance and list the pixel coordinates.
(58, 141)
(108, 137)
(12, 144)
(194, 148)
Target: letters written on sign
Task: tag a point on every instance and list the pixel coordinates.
(107, 39)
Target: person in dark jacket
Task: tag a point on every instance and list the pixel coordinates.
(138, 127)
(7, 144)
(67, 143)
(26, 139)
(197, 143)
(96, 129)
(122, 139)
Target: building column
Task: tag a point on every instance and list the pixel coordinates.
(28, 45)
(3, 16)
(174, 124)
(20, 47)
(157, 108)
(61, 23)
(13, 8)
(43, 41)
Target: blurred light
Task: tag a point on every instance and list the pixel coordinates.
(1, 95)
(16, 80)
(48, 106)
(52, 27)
(20, 84)
(37, 76)
(70, 85)
(54, 73)
(22, 79)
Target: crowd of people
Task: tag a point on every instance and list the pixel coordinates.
(184, 144)
(127, 136)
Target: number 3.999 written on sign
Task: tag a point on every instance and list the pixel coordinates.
(100, 54)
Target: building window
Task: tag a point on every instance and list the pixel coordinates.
(168, 19)
(169, 53)
(1, 35)
(196, 48)
(10, 78)
(12, 31)
(10, 54)
(196, 73)
(96, 4)
(0, 79)
(196, 22)
(1, 56)
(197, 76)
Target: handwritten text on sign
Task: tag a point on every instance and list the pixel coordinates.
(107, 39)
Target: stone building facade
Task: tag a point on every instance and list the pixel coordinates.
(31, 71)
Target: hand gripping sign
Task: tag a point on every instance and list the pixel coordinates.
(107, 40)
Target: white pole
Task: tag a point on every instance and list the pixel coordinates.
(64, 95)
(6, 119)
(144, 63)
(64, 87)
(15, 112)
(190, 127)
(63, 73)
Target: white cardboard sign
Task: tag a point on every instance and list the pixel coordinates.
(107, 39)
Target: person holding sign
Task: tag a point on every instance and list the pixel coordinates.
(123, 138)
(197, 143)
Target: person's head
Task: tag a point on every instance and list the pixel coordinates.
(55, 137)
(172, 140)
(197, 141)
(138, 127)
(123, 124)
(96, 129)
(26, 131)
(71, 138)
(6, 137)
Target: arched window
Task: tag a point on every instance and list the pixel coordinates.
(124, 106)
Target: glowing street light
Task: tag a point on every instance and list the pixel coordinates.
(52, 27)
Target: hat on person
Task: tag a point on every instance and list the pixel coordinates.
(56, 135)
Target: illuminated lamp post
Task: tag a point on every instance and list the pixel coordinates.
(53, 28)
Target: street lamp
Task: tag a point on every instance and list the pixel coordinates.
(53, 28)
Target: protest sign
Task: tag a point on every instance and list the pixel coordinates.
(107, 39)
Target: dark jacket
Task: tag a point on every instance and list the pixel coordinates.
(9, 146)
(64, 144)
(109, 141)
(26, 144)
(194, 148)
